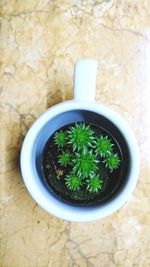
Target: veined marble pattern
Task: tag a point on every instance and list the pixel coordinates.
(40, 42)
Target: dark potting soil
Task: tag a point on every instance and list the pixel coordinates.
(54, 173)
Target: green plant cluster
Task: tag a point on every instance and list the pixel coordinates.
(81, 151)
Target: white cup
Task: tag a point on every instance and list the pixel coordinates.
(81, 108)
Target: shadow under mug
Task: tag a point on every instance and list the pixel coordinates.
(81, 109)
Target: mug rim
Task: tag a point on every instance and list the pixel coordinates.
(56, 207)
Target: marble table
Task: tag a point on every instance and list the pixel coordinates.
(41, 41)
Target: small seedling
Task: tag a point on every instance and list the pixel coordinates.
(82, 155)
(73, 182)
(80, 136)
(85, 163)
(112, 162)
(94, 184)
(103, 146)
(64, 159)
(60, 139)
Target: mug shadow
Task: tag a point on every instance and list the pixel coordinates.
(59, 94)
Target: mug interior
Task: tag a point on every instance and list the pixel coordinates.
(118, 182)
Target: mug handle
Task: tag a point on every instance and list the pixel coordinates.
(85, 73)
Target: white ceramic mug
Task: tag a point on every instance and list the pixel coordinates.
(81, 108)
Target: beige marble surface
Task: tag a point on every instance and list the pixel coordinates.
(40, 42)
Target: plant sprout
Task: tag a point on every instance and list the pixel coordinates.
(60, 139)
(84, 163)
(73, 182)
(80, 136)
(81, 152)
(112, 162)
(103, 146)
(64, 158)
(94, 184)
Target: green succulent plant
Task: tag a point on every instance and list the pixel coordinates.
(85, 163)
(112, 161)
(73, 182)
(94, 184)
(60, 139)
(64, 158)
(80, 136)
(82, 152)
(103, 146)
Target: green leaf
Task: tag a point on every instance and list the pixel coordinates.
(64, 159)
(60, 139)
(94, 184)
(85, 163)
(80, 136)
(103, 146)
(112, 161)
(73, 182)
